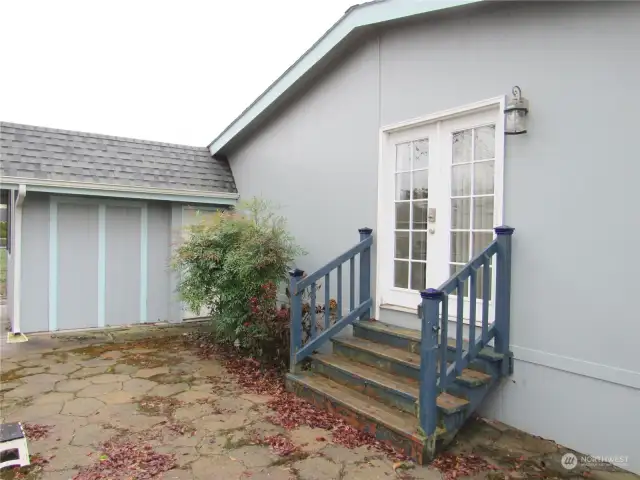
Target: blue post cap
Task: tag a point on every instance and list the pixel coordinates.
(365, 231)
(504, 230)
(431, 293)
(296, 272)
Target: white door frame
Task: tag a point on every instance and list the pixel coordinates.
(383, 210)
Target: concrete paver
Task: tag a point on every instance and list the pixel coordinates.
(90, 393)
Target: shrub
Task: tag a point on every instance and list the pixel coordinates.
(233, 264)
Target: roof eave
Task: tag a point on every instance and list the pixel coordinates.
(355, 18)
(120, 191)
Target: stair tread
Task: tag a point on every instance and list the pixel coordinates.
(392, 329)
(394, 419)
(416, 336)
(397, 354)
(403, 356)
(405, 385)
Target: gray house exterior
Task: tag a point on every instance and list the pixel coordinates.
(393, 120)
(316, 142)
(94, 219)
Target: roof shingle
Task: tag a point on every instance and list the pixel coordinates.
(51, 154)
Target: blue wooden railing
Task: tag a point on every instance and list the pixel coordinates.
(362, 310)
(435, 320)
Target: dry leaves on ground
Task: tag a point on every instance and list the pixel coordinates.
(289, 411)
(455, 466)
(280, 444)
(36, 431)
(125, 460)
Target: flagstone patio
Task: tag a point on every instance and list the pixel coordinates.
(146, 386)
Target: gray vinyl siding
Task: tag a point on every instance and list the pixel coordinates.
(317, 161)
(159, 295)
(77, 266)
(568, 189)
(35, 263)
(122, 265)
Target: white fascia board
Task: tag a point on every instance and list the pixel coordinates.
(120, 191)
(356, 17)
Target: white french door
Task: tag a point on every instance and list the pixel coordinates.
(440, 197)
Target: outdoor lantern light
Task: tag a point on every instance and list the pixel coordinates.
(516, 113)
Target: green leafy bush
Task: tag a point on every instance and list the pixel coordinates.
(233, 264)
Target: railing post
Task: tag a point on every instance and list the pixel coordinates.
(503, 294)
(365, 272)
(295, 319)
(428, 413)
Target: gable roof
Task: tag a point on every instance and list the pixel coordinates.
(356, 19)
(37, 154)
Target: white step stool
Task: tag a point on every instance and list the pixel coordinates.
(12, 438)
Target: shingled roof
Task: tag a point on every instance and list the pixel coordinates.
(48, 154)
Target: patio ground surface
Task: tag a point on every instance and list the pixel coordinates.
(146, 386)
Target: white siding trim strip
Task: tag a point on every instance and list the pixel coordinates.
(17, 259)
(144, 261)
(606, 373)
(53, 264)
(102, 264)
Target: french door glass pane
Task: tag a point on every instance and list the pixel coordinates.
(419, 245)
(483, 178)
(484, 142)
(461, 146)
(403, 157)
(460, 180)
(402, 215)
(482, 213)
(421, 154)
(402, 245)
(420, 210)
(403, 186)
(418, 275)
(401, 274)
(460, 247)
(421, 184)
(461, 213)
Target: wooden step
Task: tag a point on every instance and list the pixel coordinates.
(389, 425)
(393, 390)
(395, 361)
(409, 339)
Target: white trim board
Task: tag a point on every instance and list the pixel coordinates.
(447, 115)
(355, 18)
(121, 191)
(16, 253)
(598, 371)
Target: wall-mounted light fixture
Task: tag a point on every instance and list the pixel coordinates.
(516, 113)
